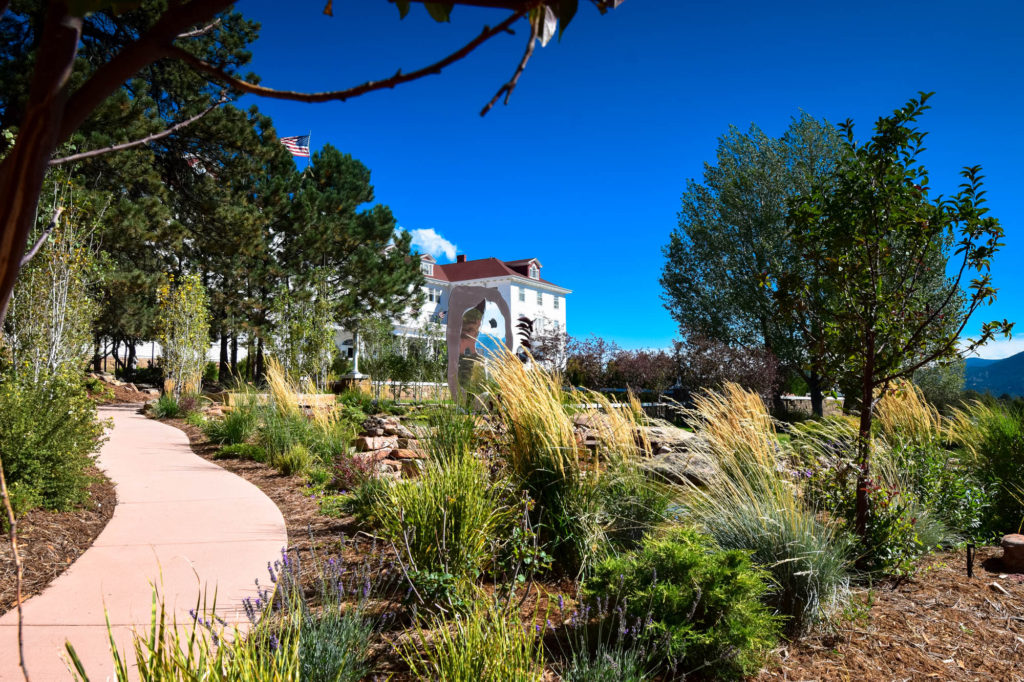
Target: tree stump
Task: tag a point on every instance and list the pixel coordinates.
(1013, 552)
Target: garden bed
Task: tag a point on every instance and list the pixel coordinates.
(940, 625)
(50, 542)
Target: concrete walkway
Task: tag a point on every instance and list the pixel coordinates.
(180, 522)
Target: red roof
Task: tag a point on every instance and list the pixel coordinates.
(483, 268)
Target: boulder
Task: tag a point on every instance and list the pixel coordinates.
(1013, 552)
(664, 439)
(403, 433)
(409, 443)
(368, 443)
(404, 453)
(682, 467)
(369, 458)
(411, 468)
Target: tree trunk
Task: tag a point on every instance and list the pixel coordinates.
(22, 172)
(96, 357)
(130, 362)
(234, 355)
(223, 371)
(817, 399)
(259, 369)
(115, 352)
(864, 438)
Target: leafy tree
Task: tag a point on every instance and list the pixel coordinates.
(184, 333)
(367, 265)
(587, 360)
(54, 95)
(641, 370)
(871, 239)
(49, 325)
(942, 383)
(303, 336)
(376, 343)
(703, 363)
(732, 230)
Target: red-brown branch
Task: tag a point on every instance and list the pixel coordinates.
(342, 95)
(508, 87)
(19, 568)
(137, 143)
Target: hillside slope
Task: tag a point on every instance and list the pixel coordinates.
(996, 376)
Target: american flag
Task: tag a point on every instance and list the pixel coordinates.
(298, 145)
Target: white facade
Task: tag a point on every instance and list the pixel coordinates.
(520, 284)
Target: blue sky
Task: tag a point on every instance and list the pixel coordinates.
(585, 167)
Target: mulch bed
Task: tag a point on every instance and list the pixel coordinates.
(49, 542)
(941, 625)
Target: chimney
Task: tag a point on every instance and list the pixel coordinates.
(461, 258)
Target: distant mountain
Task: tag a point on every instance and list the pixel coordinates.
(996, 376)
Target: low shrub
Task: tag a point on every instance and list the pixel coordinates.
(48, 430)
(705, 601)
(487, 644)
(241, 451)
(237, 426)
(350, 472)
(444, 520)
(166, 407)
(295, 461)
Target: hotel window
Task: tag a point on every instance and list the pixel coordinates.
(534, 272)
(431, 296)
(540, 298)
(427, 269)
(522, 295)
(556, 302)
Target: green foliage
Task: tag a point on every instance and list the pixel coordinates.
(241, 451)
(237, 426)
(488, 644)
(303, 338)
(706, 601)
(334, 645)
(992, 439)
(166, 407)
(296, 460)
(444, 520)
(942, 383)
(184, 333)
(52, 307)
(48, 430)
(732, 228)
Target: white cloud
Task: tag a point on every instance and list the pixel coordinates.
(1001, 348)
(429, 241)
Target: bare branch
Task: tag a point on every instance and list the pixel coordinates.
(137, 143)
(200, 31)
(42, 240)
(19, 568)
(342, 95)
(507, 88)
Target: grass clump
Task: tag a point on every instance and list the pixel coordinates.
(237, 426)
(241, 451)
(166, 407)
(756, 504)
(702, 603)
(486, 644)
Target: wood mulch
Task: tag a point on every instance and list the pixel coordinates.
(941, 625)
(49, 542)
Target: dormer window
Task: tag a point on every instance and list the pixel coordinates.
(534, 271)
(427, 268)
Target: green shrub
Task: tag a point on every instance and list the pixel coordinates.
(444, 520)
(48, 429)
(705, 601)
(166, 407)
(295, 461)
(196, 419)
(319, 476)
(633, 505)
(488, 644)
(279, 432)
(237, 426)
(993, 437)
(241, 451)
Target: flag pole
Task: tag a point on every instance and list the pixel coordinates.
(309, 144)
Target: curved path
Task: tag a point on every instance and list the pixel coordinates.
(180, 521)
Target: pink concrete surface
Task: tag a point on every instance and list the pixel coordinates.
(181, 524)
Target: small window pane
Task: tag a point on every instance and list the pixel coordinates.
(540, 298)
